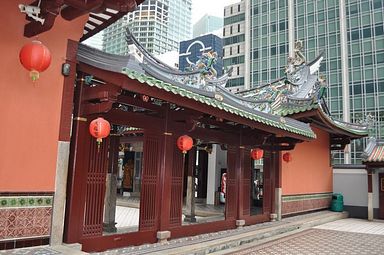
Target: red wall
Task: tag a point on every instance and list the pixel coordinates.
(310, 170)
(30, 112)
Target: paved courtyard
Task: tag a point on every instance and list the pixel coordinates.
(348, 236)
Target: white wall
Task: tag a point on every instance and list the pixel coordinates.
(353, 184)
(216, 160)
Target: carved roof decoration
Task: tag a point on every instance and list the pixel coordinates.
(374, 152)
(301, 91)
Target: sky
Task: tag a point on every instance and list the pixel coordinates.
(212, 7)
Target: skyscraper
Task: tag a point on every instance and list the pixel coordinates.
(191, 51)
(351, 35)
(159, 25)
(207, 24)
(234, 45)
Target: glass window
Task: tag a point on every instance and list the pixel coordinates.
(380, 73)
(355, 35)
(380, 57)
(370, 102)
(320, 16)
(356, 62)
(365, 6)
(357, 104)
(379, 30)
(357, 75)
(366, 20)
(331, 14)
(332, 27)
(311, 19)
(369, 88)
(368, 74)
(311, 43)
(379, 44)
(300, 33)
(354, 23)
(353, 9)
(378, 17)
(367, 32)
(377, 4)
(311, 32)
(357, 89)
(332, 39)
(321, 29)
(368, 60)
(367, 46)
(273, 39)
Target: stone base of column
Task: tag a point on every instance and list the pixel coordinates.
(190, 218)
(370, 206)
(162, 236)
(240, 223)
(58, 213)
(109, 227)
(273, 216)
(278, 203)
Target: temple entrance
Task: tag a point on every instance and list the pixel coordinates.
(140, 173)
(202, 185)
(381, 195)
(122, 198)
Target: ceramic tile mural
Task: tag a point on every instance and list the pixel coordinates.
(308, 202)
(25, 216)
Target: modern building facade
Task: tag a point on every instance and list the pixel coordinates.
(158, 24)
(207, 24)
(349, 32)
(191, 51)
(234, 45)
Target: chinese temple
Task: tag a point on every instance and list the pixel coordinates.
(176, 153)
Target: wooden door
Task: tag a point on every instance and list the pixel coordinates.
(381, 195)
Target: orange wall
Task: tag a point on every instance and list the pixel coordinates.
(310, 170)
(30, 112)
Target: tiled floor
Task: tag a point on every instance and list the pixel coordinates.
(356, 226)
(127, 216)
(31, 251)
(322, 242)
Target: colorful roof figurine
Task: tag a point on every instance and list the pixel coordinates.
(374, 152)
(299, 94)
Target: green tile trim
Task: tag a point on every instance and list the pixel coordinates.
(290, 198)
(215, 103)
(26, 201)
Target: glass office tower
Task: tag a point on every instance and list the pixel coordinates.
(159, 25)
(350, 33)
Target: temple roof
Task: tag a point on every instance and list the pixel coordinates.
(141, 66)
(374, 152)
(300, 95)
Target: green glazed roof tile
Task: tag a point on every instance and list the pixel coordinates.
(217, 104)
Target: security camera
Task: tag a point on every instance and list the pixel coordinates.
(31, 11)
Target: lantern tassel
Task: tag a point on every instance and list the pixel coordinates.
(35, 75)
(98, 141)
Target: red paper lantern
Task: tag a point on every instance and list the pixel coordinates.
(184, 143)
(257, 154)
(99, 128)
(35, 57)
(287, 157)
